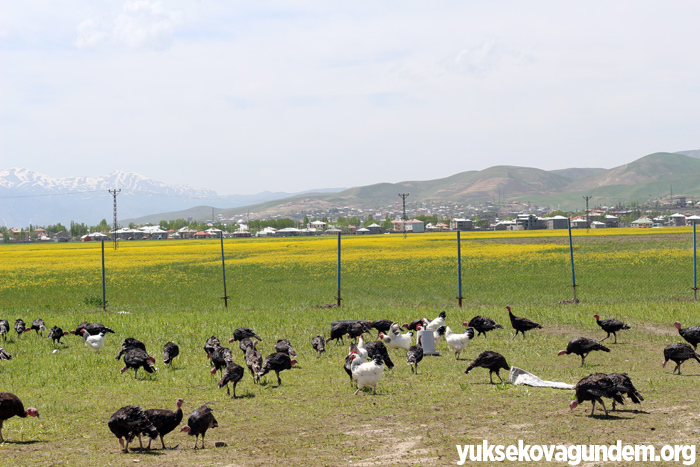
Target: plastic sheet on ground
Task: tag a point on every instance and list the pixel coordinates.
(520, 376)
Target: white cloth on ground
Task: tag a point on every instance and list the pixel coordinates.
(520, 376)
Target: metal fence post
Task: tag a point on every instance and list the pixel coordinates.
(104, 289)
(338, 299)
(459, 270)
(695, 264)
(571, 252)
(223, 269)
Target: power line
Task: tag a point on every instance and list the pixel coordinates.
(114, 194)
(403, 197)
(588, 213)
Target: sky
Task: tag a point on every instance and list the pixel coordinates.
(244, 97)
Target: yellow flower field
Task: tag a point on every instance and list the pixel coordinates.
(371, 266)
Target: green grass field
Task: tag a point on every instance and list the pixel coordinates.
(160, 291)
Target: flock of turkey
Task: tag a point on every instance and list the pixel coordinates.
(364, 364)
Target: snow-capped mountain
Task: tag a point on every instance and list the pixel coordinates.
(28, 197)
(25, 181)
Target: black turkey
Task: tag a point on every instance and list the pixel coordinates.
(20, 327)
(691, 334)
(319, 345)
(593, 388)
(414, 355)
(625, 386)
(11, 406)
(55, 333)
(679, 352)
(377, 348)
(211, 345)
(92, 329)
(611, 326)
(582, 346)
(199, 422)
(276, 362)
(165, 420)
(242, 333)
(482, 325)
(138, 358)
(38, 326)
(284, 346)
(170, 351)
(494, 361)
(129, 422)
(233, 373)
(413, 325)
(381, 325)
(128, 344)
(521, 324)
(254, 361)
(4, 328)
(219, 358)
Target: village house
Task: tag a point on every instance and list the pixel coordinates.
(374, 229)
(557, 222)
(643, 223)
(461, 224)
(611, 221)
(676, 220)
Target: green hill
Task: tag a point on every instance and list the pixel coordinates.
(652, 177)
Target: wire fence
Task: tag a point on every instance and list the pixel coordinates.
(370, 272)
(516, 269)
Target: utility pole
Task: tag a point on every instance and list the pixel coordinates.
(403, 197)
(588, 213)
(114, 194)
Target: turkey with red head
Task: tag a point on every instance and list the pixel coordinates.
(138, 358)
(679, 352)
(691, 334)
(611, 326)
(199, 422)
(11, 406)
(593, 388)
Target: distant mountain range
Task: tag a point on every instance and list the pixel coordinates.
(653, 177)
(29, 197)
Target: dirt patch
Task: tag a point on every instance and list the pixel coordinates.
(392, 450)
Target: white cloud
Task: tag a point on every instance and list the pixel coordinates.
(90, 34)
(146, 24)
(483, 58)
(139, 24)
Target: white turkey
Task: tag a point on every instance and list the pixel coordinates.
(458, 342)
(366, 373)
